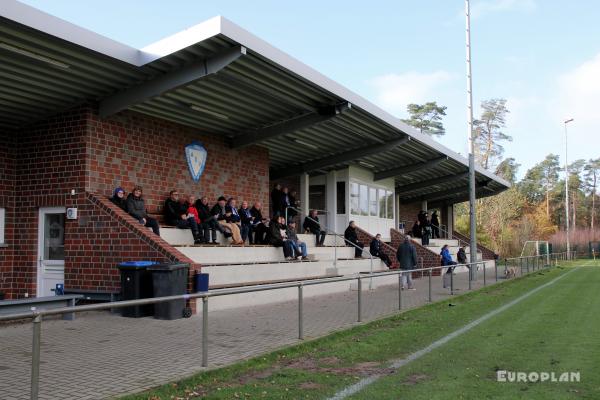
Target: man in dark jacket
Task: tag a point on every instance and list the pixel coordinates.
(118, 198)
(260, 224)
(247, 221)
(208, 221)
(278, 236)
(376, 250)
(137, 209)
(435, 226)
(311, 224)
(407, 257)
(224, 218)
(351, 237)
(176, 214)
(276, 200)
(461, 255)
(298, 246)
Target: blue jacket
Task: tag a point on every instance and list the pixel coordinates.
(446, 257)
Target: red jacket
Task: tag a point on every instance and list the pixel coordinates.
(192, 210)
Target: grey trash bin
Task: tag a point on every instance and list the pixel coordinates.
(169, 280)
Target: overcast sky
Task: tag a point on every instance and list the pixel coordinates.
(543, 56)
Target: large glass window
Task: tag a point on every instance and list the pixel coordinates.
(373, 202)
(390, 205)
(354, 199)
(381, 194)
(364, 200)
(341, 197)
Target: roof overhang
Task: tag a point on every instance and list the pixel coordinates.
(222, 80)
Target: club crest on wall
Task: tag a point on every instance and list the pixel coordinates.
(195, 154)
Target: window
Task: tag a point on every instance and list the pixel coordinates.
(354, 201)
(316, 197)
(390, 205)
(382, 207)
(372, 202)
(2, 216)
(341, 198)
(364, 200)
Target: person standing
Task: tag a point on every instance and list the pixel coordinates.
(311, 224)
(276, 201)
(407, 257)
(136, 207)
(351, 237)
(435, 226)
(426, 234)
(376, 250)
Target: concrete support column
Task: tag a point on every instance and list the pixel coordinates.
(424, 205)
(331, 200)
(304, 195)
(450, 211)
(397, 210)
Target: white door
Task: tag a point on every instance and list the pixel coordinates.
(51, 250)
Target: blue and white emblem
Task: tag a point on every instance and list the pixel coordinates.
(195, 155)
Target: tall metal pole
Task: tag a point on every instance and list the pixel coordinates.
(472, 222)
(567, 190)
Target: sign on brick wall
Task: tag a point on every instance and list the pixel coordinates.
(195, 154)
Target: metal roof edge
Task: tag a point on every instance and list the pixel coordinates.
(44, 22)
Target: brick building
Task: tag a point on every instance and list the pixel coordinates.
(81, 114)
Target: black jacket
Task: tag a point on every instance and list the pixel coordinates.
(434, 220)
(173, 211)
(246, 216)
(257, 214)
(120, 202)
(375, 248)
(310, 225)
(407, 256)
(275, 237)
(136, 206)
(219, 212)
(203, 211)
(461, 256)
(417, 230)
(350, 234)
(276, 201)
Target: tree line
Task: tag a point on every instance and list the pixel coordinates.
(533, 208)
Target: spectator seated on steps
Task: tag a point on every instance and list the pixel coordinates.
(247, 225)
(192, 211)
(176, 214)
(209, 224)
(351, 237)
(260, 224)
(225, 219)
(311, 225)
(119, 199)
(278, 236)
(298, 246)
(137, 209)
(376, 250)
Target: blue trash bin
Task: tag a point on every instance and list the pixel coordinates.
(201, 282)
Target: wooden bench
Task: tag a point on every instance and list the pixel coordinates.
(42, 303)
(270, 282)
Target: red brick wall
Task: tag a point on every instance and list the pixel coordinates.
(486, 253)
(430, 259)
(131, 148)
(408, 213)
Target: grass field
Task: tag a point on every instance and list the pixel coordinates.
(553, 330)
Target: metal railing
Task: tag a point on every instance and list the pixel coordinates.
(528, 264)
(336, 235)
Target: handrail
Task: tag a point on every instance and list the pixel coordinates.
(451, 236)
(331, 232)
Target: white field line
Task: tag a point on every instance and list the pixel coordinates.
(360, 385)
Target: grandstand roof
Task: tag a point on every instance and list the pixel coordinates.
(223, 80)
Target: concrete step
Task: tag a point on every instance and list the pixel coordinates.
(179, 237)
(439, 242)
(254, 254)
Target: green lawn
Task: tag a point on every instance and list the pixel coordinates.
(553, 328)
(556, 329)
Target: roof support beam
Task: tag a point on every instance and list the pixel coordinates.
(288, 126)
(407, 169)
(169, 81)
(445, 193)
(431, 182)
(338, 158)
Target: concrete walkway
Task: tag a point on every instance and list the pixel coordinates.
(102, 355)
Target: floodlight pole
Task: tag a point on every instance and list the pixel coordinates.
(472, 222)
(567, 190)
